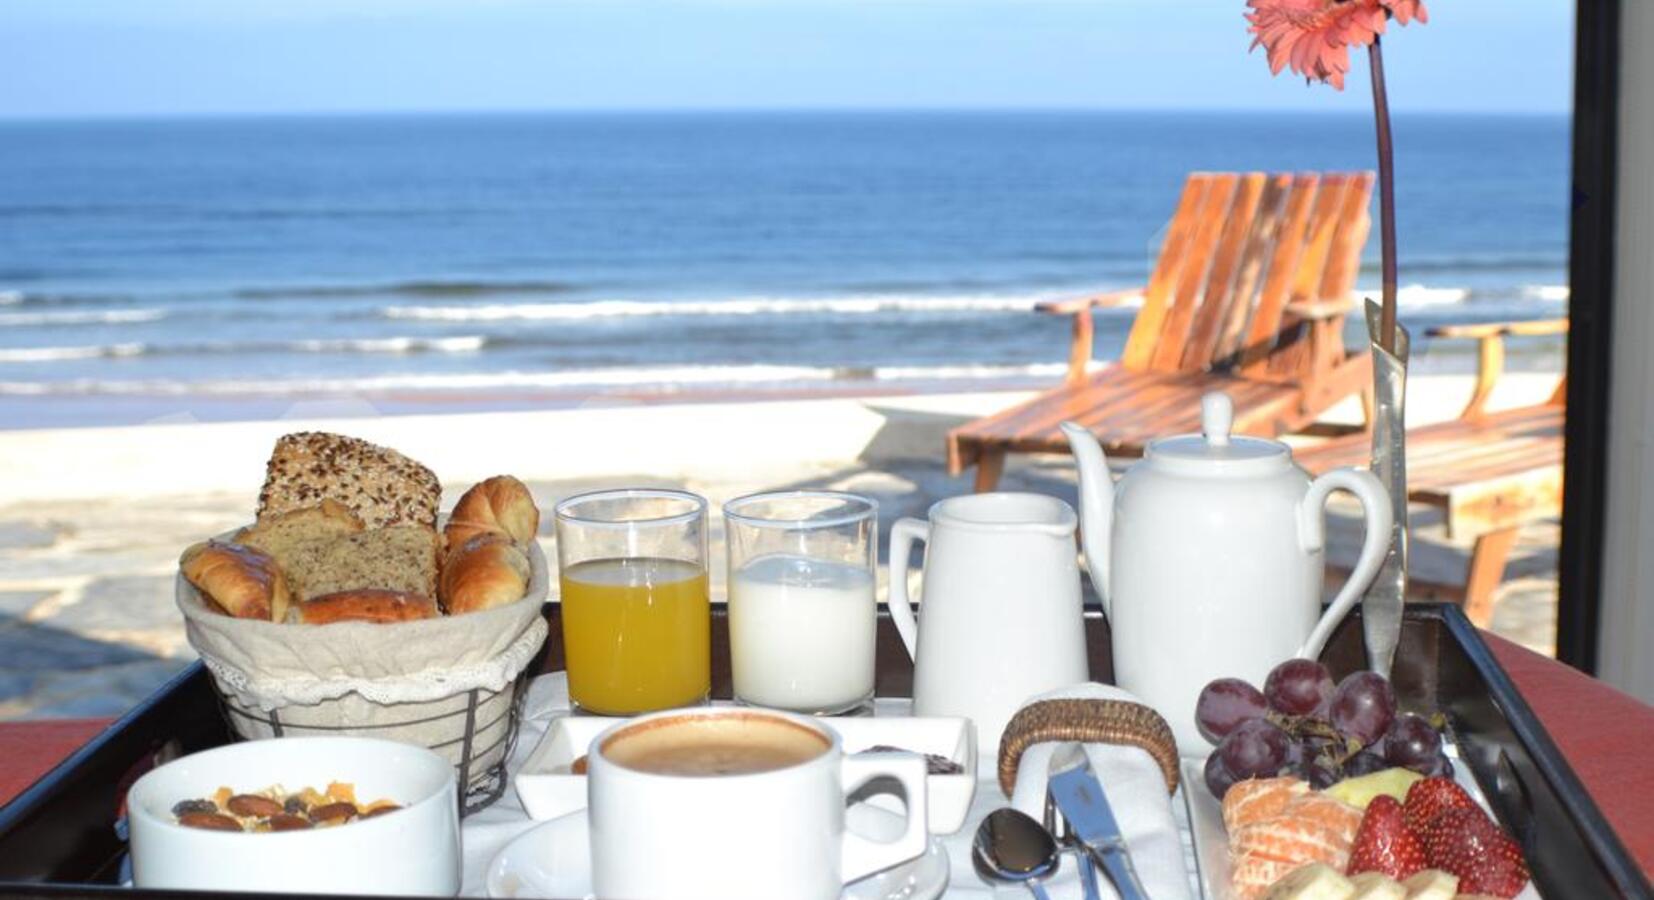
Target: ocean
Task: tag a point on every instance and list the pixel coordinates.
(250, 268)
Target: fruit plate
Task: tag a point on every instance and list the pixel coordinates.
(1211, 841)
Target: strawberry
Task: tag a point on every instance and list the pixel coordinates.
(1383, 843)
(1431, 797)
(1466, 843)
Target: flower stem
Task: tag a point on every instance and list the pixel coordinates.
(1386, 197)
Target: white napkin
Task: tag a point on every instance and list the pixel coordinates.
(1136, 792)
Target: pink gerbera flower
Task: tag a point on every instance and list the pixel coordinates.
(1314, 37)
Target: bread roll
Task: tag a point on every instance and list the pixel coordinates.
(370, 605)
(484, 572)
(500, 505)
(241, 581)
(381, 486)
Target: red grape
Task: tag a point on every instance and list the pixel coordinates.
(1440, 767)
(1255, 749)
(1363, 706)
(1218, 778)
(1224, 704)
(1297, 686)
(1364, 763)
(1412, 743)
(1321, 774)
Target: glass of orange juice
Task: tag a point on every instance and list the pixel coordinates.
(637, 619)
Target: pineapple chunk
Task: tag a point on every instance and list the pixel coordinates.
(1316, 881)
(1432, 884)
(1359, 792)
(1377, 886)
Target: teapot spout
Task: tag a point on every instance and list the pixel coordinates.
(1096, 506)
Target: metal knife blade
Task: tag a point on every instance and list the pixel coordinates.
(1083, 803)
(1058, 826)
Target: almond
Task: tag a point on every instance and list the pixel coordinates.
(288, 822)
(253, 806)
(333, 813)
(210, 821)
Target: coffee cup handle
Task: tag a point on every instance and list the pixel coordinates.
(902, 536)
(862, 856)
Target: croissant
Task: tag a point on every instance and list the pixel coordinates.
(366, 605)
(486, 571)
(241, 581)
(501, 505)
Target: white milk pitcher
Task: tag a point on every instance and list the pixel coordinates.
(1208, 557)
(1001, 616)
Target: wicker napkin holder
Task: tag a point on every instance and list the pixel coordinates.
(1087, 721)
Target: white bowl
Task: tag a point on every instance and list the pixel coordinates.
(548, 789)
(414, 850)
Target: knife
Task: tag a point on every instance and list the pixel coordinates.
(1084, 804)
(1064, 833)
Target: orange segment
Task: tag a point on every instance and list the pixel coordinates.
(1259, 799)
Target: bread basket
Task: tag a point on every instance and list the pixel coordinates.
(451, 684)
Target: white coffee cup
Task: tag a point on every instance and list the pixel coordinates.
(739, 829)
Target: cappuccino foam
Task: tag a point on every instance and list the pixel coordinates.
(709, 746)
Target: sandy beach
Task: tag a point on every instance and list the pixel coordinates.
(92, 519)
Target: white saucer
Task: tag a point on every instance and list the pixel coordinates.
(554, 860)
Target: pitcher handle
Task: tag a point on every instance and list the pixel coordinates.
(1375, 507)
(902, 536)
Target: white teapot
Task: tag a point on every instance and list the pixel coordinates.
(1208, 557)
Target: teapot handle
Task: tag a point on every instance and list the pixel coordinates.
(1375, 508)
(902, 536)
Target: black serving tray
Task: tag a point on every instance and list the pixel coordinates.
(58, 838)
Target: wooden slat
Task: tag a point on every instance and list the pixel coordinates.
(1125, 409)
(1266, 317)
(1497, 504)
(1221, 281)
(1266, 229)
(1145, 329)
(1197, 259)
(1501, 470)
(1323, 228)
(1343, 262)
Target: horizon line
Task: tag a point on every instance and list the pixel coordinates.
(9, 118)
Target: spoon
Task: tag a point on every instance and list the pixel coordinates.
(1011, 847)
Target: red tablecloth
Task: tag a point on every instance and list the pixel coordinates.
(1605, 734)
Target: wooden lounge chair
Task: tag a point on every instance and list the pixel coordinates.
(1249, 296)
(1489, 473)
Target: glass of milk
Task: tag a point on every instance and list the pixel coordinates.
(802, 611)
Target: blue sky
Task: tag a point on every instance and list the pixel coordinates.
(169, 57)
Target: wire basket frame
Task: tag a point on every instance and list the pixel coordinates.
(480, 742)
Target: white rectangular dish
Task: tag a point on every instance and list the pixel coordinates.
(548, 787)
(1211, 840)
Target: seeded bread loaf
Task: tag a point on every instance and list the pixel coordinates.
(398, 558)
(379, 485)
(299, 539)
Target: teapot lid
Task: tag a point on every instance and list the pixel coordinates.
(1215, 446)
